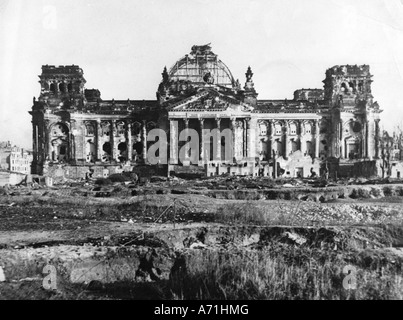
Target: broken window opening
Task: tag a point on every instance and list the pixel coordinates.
(263, 129)
(278, 129)
(308, 128)
(53, 87)
(105, 129)
(121, 128)
(138, 147)
(122, 147)
(293, 128)
(90, 128)
(356, 126)
(107, 149)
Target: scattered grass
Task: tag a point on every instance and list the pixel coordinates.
(251, 212)
(282, 273)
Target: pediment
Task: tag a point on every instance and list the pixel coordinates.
(210, 100)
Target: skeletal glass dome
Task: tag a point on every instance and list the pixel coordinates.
(202, 66)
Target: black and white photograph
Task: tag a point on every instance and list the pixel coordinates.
(201, 156)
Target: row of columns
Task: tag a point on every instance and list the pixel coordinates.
(129, 140)
(287, 141)
(247, 148)
(98, 141)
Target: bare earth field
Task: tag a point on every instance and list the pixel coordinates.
(199, 239)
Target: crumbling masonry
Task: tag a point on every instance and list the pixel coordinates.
(76, 133)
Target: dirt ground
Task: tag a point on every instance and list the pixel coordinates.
(77, 229)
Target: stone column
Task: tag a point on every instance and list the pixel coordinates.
(244, 142)
(186, 121)
(84, 137)
(144, 137)
(376, 139)
(112, 139)
(202, 155)
(317, 136)
(35, 142)
(129, 141)
(339, 137)
(286, 141)
(343, 149)
(72, 143)
(218, 142)
(343, 146)
(233, 126)
(49, 145)
(333, 144)
(99, 147)
(173, 141)
(365, 139)
(299, 135)
(273, 139)
(371, 139)
(249, 140)
(342, 142)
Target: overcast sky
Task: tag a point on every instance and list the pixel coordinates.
(123, 46)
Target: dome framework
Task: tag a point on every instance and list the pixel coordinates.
(201, 66)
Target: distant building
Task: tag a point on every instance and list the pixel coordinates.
(20, 160)
(15, 159)
(391, 152)
(15, 164)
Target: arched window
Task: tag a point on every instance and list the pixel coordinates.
(356, 126)
(308, 128)
(59, 142)
(360, 86)
(70, 87)
(138, 147)
(105, 127)
(90, 129)
(121, 128)
(352, 86)
(61, 87)
(277, 128)
(263, 129)
(107, 150)
(59, 130)
(136, 128)
(293, 128)
(53, 87)
(294, 145)
(122, 147)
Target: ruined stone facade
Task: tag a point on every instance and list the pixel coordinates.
(75, 132)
